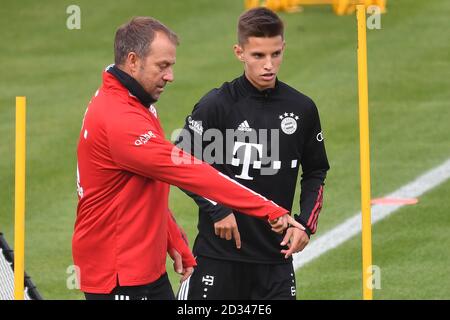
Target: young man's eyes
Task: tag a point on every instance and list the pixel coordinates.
(276, 54)
(260, 55)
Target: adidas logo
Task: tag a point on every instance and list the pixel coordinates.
(244, 127)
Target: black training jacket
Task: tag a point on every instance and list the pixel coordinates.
(259, 139)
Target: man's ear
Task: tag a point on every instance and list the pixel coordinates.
(238, 52)
(132, 62)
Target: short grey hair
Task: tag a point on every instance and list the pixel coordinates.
(137, 36)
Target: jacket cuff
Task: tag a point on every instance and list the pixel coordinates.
(219, 213)
(188, 259)
(277, 213)
(300, 220)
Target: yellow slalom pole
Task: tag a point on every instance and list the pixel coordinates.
(364, 153)
(19, 225)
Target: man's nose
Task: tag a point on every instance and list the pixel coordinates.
(268, 65)
(168, 76)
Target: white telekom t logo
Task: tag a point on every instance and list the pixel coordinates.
(247, 157)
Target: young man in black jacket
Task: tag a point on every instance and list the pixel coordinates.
(256, 130)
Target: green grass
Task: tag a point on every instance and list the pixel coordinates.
(410, 247)
(59, 70)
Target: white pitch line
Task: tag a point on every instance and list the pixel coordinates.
(352, 226)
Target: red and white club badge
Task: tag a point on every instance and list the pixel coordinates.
(288, 122)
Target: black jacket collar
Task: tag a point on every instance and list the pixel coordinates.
(132, 85)
(250, 88)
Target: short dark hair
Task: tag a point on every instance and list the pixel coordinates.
(259, 22)
(137, 36)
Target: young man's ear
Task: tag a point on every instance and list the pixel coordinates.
(239, 52)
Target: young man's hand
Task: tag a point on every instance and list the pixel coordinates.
(178, 265)
(227, 229)
(295, 239)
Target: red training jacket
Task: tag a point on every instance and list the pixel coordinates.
(124, 228)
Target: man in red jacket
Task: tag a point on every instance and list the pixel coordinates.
(124, 228)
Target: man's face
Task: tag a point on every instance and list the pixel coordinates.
(156, 69)
(262, 58)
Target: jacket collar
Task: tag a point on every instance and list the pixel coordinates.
(250, 88)
(131, 85)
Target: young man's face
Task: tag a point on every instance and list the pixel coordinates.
(262, 58)
(156, 69)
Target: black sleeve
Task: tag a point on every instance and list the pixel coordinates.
(205, 115)
(314, 166)
(216, 211)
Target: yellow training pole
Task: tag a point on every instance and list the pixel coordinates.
(19, 225)
(364, 153)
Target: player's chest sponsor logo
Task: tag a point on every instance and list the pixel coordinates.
(255, 156)
(289, 122)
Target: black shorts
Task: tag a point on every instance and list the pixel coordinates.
(157, 290)
(215, 279)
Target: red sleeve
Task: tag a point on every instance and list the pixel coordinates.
(136, 146)
(177, 240)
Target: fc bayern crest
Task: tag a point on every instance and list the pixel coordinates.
(288, 122)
